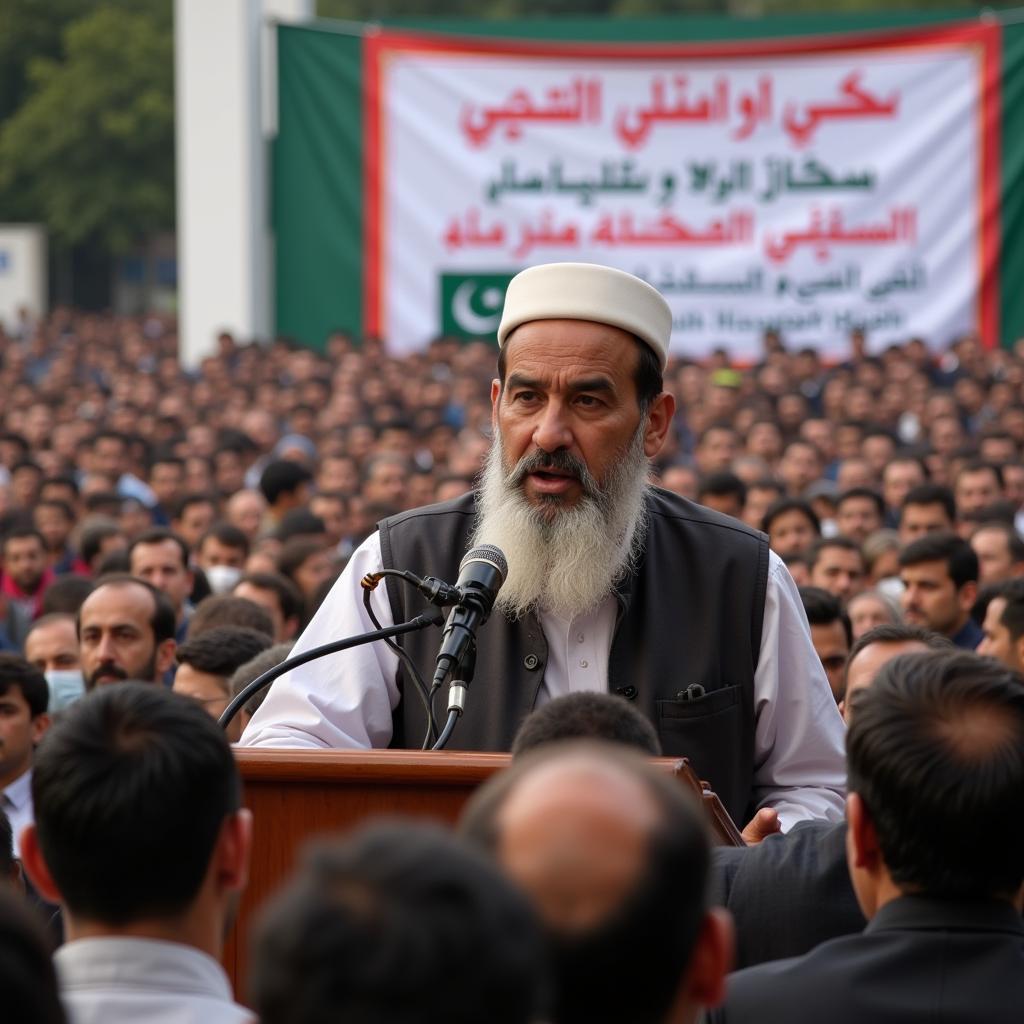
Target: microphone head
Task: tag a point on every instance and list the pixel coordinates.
(489, 554)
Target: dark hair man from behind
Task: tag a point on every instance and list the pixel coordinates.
(939, 573)
(935, 812)
(28, 983)
(614, 855)
(139, 835)
(399, 924)
(595, 716)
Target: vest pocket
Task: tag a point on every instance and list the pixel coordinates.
(691, 706)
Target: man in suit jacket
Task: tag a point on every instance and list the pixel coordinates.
(935, 843)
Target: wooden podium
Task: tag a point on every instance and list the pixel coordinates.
(296, 794)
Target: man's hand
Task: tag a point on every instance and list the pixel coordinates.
(764, 823)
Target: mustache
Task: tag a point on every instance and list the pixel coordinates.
(539, 461)
(107, 670)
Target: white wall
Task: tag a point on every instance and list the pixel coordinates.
(23, 277)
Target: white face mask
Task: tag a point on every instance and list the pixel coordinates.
(66, 686)
(222, 577)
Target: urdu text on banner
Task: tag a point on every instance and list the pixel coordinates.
(812, 185)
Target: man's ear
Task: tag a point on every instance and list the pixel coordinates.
(495, 398)
(967, 595)
(232, 852)
(40, 723)
(712, 959)
(865, 850)
(165, 655)
(35, 866)
(659, 419)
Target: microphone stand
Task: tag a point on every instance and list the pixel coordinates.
(457, 695)
(420, 622)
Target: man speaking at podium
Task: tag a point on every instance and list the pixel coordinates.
(612, 584)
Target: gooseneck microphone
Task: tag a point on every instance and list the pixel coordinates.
(481, 574)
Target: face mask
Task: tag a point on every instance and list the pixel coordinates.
(222, 577)
(66, 686)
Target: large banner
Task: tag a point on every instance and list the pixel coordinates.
(813, 186)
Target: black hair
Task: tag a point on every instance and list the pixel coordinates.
(900, 633)
(1014, 542)
(935, 749)
(783, 505)
(371, 928)
(15, 671)
(823, 608)
(961, 561)
(282, 476)
(28, 979)
(21, 533)
(295, 551)
(863, 492)
(722, 483)
(837, 541)
(289, 597)
(188, 500)
(163, 621)
(59, 504)
(93, 535)
(65, 595)
(931, 494)
(648, 378)
(130, 790)
(222, 649)
(157, 535)
(228, 535)
(981, 466)
(298, 522)
(650, 936)
(221, 611)
(1012, 591)
(598, 716)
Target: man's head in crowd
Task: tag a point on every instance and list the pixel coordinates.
(219, 610)
(792, 526)
(372, 926)
(928, 508)
(1003, 627)
(761, 495)
(681, 480)
(384, 479)
(597, 716)
(715, 450)
(55, 521)
(279, 596)
(285, 485)
(332, 510)
(100, 536)
(251, 670)
(800, 466)
(51, 646)
(837, 565)
(23, 558)
(900, 476)
(859, 512)
(1000, 552)
(871, 608)
(880, 645)
(24, 703)
(160, 557)
(935, 755)
(614, 855)
(830, 633)
(221, 554)
(126, 631)
(940, 580)
(978, 485)
(724, 492)
(138, 827)
(245, 510)
(207, 662)
(167, 479)
(193, 516)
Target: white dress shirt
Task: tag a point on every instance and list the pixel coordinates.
(346, 699)
(16, 802)
(144, 981)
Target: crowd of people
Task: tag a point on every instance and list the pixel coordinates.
(180, 527)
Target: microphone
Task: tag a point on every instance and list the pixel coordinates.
(481, 574)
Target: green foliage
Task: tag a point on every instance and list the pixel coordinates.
(90, 149)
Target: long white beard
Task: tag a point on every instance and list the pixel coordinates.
(561, 559)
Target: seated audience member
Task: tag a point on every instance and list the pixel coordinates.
(221, 554)
(614, 854)
(936, 852)
(373, 926)
(792, 527)
(28, 981)
(927, 508)
(723, 491)
(596, 716)
(793, 891)
(1003, 626)
(871, 608)
(52, 647)
(860, 511)
(125, 631)
(279, 596)
(940, 584)
(229, 610)
(830, 633)
(253, 669)
(140, 838)
(837, 565)
(24, 701)
(207, 662)
(1000, 552)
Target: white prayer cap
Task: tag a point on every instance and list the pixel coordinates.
(586, 291)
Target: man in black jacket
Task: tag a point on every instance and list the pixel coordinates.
(935, 845)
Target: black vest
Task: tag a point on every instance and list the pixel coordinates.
(685, 648)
